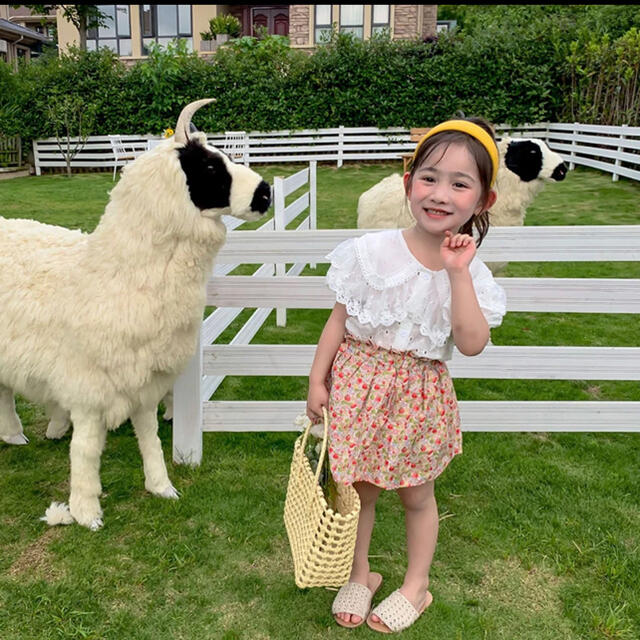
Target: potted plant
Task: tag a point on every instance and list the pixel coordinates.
(207, 39)
(223, 27)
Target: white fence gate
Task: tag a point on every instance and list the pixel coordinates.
(523, 244)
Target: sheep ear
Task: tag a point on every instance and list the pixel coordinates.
(184, 120)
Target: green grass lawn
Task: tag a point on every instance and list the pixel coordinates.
(539, 534)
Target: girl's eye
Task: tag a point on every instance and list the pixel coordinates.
(460, 185)
(427, 179)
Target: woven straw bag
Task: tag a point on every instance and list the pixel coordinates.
(322, 539)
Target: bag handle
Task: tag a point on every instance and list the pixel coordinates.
(325, 416)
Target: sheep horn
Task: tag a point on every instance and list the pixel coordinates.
(182, 128)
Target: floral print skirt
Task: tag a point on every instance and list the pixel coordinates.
(394, 418)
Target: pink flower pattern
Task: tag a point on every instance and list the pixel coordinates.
(394, 418)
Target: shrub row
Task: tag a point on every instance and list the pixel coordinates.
(506, 75)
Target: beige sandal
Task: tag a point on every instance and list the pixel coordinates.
(355, 598)
(396, 612)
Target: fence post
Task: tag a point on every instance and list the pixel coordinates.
(245, 150)
(572, 156)
(620, 149)
(36, 158)
(313, 216)
(187, 411)
(340, 144)
(279, 225)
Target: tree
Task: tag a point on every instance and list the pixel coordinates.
(71, 117)
(82, 16)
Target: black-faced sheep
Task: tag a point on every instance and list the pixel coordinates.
(526, 164)
(97, 326)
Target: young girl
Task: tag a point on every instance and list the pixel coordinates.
(404, 297)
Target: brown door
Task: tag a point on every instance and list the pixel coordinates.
(276, 20)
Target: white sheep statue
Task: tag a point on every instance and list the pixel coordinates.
(526, 164)
(97, 326)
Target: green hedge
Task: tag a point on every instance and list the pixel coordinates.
(514, 75)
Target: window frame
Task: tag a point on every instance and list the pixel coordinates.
(324, 26)
(154, 26)
(380, 25)
(117, 37)
(342, 28)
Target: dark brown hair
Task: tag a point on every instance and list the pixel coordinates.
(483, 162)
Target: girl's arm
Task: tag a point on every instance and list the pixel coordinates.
(330, 339)
(468, 324)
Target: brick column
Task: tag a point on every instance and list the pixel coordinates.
(413, 20)
(405, 22)
(429, 20)
(299, 25)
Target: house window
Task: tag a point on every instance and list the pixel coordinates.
(380, 21)
(162, 23)
(323, 23)
(116, 32)
(352, 19)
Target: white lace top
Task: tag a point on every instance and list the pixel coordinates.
(396, 302)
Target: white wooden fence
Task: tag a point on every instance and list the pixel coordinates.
(615, 150)
(552, 244)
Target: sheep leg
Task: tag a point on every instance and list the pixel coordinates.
(87, 443)
(10, 425)
(168, 405)
(156, 479)
(59, 423)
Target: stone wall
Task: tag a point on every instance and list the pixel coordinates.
(406, 24)
(299, 24)
(429, 19)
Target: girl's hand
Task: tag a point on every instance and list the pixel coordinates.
(317, 398)
(457, 251)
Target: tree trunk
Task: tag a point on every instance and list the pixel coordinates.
(82, 30)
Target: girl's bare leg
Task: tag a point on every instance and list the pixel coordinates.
(360, 570)
(421, 517)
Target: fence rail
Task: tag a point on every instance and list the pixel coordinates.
(551, 244)
(613, 149)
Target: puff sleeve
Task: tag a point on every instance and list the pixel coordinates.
(491, 296)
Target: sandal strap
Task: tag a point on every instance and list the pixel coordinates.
(396, 611)
(353, 598)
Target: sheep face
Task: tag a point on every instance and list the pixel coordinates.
(218, 186)
(531, 159)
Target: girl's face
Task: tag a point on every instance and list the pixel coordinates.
(445, 190)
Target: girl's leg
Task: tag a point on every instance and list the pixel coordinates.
(421, 516)
(360, 571)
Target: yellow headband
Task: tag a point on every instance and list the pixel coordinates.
(473, 130)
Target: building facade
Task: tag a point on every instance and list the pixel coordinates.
(130, 27)
(22, 34)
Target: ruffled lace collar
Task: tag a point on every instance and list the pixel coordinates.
(386, 260)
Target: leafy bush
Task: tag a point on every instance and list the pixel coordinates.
(605, 80)
(508, 63)
(95, 77)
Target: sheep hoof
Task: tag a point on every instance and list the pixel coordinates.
(87, 513)
(170, 492)
(18, 438)
(96, 524)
